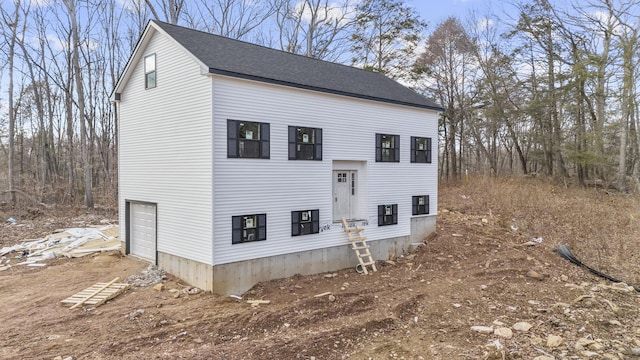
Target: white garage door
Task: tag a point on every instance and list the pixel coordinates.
(143, 230)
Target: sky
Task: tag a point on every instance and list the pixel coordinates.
(436, 11)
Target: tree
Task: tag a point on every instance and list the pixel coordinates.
(235, 19)
(447, 63)
(171, 10)
(314, 28)
(77, 70)
(538, 22)
(602, 29)
(498, 97)
(386, 36)
(629, 44)
(11, 27)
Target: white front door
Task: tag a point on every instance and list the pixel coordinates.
(143, 230)
(344, 194)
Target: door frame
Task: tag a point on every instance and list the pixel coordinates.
(359, 200)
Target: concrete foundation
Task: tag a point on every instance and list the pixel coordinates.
(193, 272)
(238, 277)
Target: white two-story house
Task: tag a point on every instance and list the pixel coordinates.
(237, 162)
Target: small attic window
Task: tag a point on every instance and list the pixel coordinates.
(150, 71)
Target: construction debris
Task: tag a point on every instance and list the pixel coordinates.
(255, 303)
(70, 243)
(97, 294)
(563, 250)
(151, 276)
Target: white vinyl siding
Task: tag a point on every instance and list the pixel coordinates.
(165, 149)
(278, 186)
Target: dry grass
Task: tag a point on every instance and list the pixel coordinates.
(601, 228)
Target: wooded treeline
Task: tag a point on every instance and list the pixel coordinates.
(536, 88)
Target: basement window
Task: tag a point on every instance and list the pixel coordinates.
(420, 205)
(247, 139)
(387, 148)
(150, 71)
(387, 214)
(247, 228)
(305, 143)
(305, 222)
(420, 150)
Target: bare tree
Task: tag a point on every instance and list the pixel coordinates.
(171, 9)
(315, 28)
(236, 19)
(77, 70)
(446, 61)
(11, 27)
(629, 43)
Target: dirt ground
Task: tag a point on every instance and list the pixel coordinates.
(473, 272)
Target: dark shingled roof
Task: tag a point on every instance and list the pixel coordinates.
(241, 59)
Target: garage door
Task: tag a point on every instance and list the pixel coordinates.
(143, 230)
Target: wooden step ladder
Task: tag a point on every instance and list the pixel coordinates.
(359, 245)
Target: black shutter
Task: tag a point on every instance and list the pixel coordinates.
(264, 141)
(380, 215)
(318, 145)
(262, 226)
(413, 150)
(429, 150)
(232, 139)
(236, 229)
(292, 142)
(378, 147)
(396, 149)
(315, 221)
(394, 211)
(426, 204)
(415, 200)
(295, 223)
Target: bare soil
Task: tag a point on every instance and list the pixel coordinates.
(473, 272)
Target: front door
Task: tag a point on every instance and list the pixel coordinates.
(344, 194)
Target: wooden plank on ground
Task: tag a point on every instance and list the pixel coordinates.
(97, 294)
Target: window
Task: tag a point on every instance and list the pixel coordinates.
(420, 150)
(246, 139)
(305, 143)
(420, 204)
(387, 214)
(248, 228)
(305, 222)
(387, 148)
(150, 71)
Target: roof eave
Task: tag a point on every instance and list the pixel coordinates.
(319, 89)
(133, 59)
(138, 52)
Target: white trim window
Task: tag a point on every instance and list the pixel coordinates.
(150, 71)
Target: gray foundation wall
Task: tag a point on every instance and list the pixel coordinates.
(238, 277)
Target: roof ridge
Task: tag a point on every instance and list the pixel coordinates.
(270, 48)
(224, 55)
